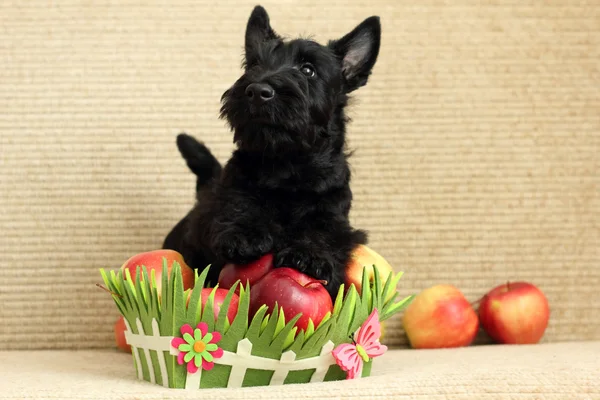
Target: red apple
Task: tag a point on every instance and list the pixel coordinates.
(248, 273)
(218, 300)
(363, 258)
(439, 317)
(120, 335)
(153, 260)
(295, 293)
(515, 313)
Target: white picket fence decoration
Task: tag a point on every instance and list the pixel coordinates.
(239, 361)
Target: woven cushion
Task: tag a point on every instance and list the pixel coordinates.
(547, 371)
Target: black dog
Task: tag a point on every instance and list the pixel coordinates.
(285, 189)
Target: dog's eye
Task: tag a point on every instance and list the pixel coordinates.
(307, 70)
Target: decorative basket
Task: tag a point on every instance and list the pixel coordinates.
(186, 346)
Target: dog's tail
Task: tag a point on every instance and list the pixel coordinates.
(199, 160)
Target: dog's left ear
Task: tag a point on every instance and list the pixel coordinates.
(258, 30)
(358, 51)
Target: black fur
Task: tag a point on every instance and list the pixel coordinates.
(286, 188)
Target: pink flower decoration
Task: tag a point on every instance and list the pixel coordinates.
(197, 347)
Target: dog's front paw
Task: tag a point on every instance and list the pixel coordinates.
(318, 266)
(241, 248)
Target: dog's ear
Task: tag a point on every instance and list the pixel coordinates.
(358, 51)
(258, 30)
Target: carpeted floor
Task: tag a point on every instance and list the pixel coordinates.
(549, 372)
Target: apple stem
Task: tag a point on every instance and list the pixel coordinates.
(107, 290)
(508, 285)
(323, 282)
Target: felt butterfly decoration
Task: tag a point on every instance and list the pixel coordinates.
(365, 346)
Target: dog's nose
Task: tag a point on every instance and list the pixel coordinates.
(260, 92)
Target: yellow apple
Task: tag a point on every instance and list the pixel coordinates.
(440, 317)
(363, 257)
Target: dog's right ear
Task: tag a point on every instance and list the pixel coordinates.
(258, 30)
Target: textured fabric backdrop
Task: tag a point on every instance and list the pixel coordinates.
(476, 146)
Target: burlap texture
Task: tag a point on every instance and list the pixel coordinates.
(476, 146)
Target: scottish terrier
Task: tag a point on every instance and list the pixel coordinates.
(286, 188)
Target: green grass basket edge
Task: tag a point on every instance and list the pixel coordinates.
(271, 333)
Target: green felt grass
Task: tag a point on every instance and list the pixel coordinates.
(271, 333)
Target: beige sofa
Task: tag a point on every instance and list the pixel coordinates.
(476, 162)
